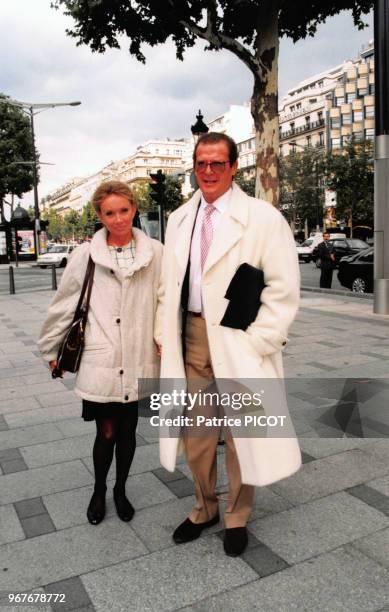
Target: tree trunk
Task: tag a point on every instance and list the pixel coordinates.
(264, 110)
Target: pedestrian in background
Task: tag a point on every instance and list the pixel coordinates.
(119, 347)
(327, 261)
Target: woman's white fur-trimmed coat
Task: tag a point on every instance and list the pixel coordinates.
(119, 345)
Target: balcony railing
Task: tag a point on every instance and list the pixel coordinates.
(308, 127)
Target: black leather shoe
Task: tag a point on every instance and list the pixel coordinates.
(124, 508)
(235, 541)
(188, 531)
(96, 508)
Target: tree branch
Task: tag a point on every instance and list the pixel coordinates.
(219, 40)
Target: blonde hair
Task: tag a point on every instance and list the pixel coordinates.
(108, 188)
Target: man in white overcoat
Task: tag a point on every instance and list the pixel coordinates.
(207, 239)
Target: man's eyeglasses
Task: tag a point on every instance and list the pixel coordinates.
(216, 166)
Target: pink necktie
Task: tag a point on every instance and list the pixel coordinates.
(206, 233)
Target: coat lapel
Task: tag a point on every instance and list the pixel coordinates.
(183, 235)
(231, 228)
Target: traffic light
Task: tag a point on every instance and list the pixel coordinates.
(158, 194)
(158, 188)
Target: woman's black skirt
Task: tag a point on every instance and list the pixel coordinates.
(110, 410)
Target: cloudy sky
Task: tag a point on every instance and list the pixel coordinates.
(125, 103)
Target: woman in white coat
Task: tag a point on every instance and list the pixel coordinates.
(119, 347)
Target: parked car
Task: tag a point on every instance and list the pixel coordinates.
(342, 247)
(304, 250)
(58, 255)
(356, 272)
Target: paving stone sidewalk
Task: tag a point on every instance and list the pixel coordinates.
(319, 540)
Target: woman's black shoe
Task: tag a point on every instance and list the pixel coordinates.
(96, 508)
(124, 508)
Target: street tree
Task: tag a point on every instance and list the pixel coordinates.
(173, 194)
(55, 228)
(72, 227)
(250, 29)
(301, 185)
(245, 183)
(350, 172)
(16, 151)
(87, 221)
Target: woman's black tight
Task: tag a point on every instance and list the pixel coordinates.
(114, 433)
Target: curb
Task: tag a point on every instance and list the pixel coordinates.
(346, 294)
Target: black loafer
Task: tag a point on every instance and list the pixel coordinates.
(96, 508)
(188, 531)
(125, 510)
(235, 541)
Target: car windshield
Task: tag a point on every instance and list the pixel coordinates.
(307, 243)
(59, 249)
(358, 244)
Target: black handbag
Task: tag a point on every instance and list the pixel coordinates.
(72, 346)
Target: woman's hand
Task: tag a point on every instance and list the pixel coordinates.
(55, 373)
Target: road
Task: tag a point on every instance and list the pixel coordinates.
(35, 279)
(310, 276)
(27, 279)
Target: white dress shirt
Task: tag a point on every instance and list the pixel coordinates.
(221, 205)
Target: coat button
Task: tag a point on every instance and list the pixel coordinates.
(284, 343)
(126, 397)
(121, 372)
(117, 320)
(112, 272)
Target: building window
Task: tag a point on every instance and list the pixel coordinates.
(369, 111)
(350, 97)
(335, 143)
(292, 126)
(339, 101)
(320, 116)
(298, 106)
(335, 122)
(363, 91)
(357, 116)
(320, 84)
(346, 119)
(292, 108)
(371, 89)
(358, 135)
(321, 139)
(307, 120)
(369, 134)
(309, 141)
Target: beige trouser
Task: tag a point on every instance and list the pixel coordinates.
(201, 445)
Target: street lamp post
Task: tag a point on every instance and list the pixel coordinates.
(198, 129)
(381, 166)
(31, 110)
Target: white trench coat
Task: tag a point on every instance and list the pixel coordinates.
(251, 231)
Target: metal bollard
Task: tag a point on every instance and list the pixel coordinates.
(11, 281)
(53, 277)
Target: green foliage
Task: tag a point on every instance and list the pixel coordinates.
(55, 229)
(72, 227)
(101, 23)
(15, 146)
(247, 184)
(174, 197)
(87, 221)
(301, 182)
(351, 174)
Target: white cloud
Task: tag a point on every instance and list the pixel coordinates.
(124, 102)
